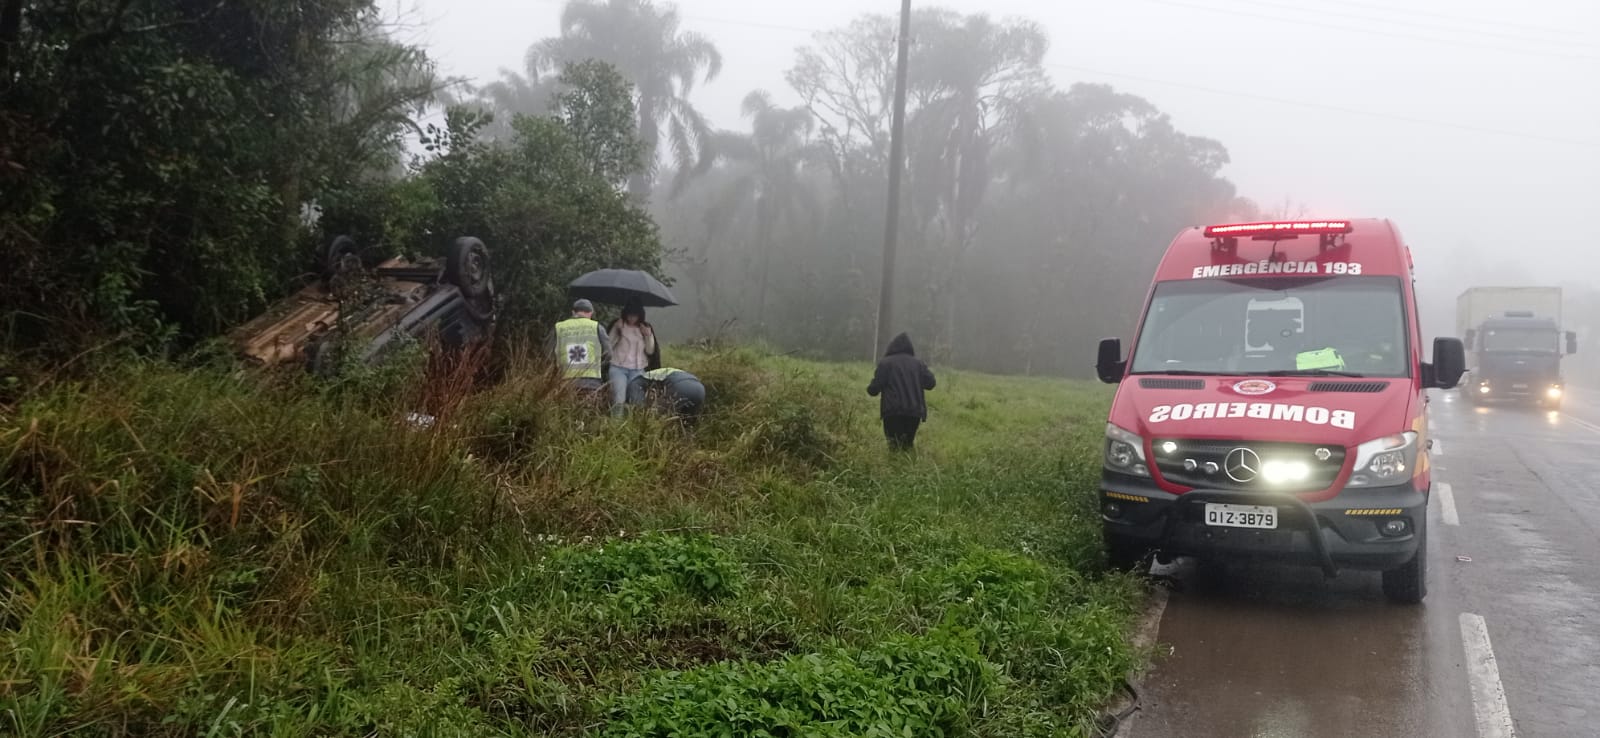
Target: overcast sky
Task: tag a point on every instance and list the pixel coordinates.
(1471, 123)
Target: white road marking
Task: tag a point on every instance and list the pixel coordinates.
(1586, 425)
(1438, 447)
(1447, 504)
(1488, 694)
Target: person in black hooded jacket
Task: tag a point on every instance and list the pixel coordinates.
(898, 384)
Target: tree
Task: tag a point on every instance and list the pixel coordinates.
(545, 200)
(158, 157)
(644, 42)
(530, 92)
(769, 166)
(972, 74)
(595, 104)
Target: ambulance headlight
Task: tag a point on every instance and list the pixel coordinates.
(1385, 461)
(1285, 472)
(1125, 452)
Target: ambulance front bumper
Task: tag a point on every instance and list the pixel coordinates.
(1345, 532)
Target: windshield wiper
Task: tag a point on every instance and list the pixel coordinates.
(1310, 373)
(1179, 373)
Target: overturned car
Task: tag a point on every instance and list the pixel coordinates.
(356, 312)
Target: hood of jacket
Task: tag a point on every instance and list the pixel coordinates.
(901, 345)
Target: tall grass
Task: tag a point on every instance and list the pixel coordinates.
(196, 551)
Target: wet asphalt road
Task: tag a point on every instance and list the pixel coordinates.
(1279, 651)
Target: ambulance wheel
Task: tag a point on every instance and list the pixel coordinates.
(1407, 584)
(1125, 555)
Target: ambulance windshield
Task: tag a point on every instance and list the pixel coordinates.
(1315, 326)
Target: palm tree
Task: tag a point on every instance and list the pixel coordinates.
(644, 42)
(514, 93)
(770, 181)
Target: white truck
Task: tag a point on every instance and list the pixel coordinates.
(1514, 343)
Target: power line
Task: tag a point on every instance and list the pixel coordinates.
(1371, 31)
(1458, 18)
(1334, 108)
(1416, 24)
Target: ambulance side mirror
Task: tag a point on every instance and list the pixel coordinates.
(1449, 363)
(1572, 342)
(1110, 365)
(1471, 334)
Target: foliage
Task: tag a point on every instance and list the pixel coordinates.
(643, 40)
(637, 575)
(544, 202)
(596, 106)
(155, 157)
(190, 551)
(926, 685)
(1028, 208)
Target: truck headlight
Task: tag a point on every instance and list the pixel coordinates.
(1125, 452)
(1384, 461)
(1554, 392)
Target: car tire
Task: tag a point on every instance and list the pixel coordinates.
(1407, 584)
(467, 267)
(340, 256)
(1125, 555)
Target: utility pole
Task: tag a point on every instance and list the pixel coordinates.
(897, 151)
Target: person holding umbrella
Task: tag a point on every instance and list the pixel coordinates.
(581, 347)
(634, 349)
(633, 352)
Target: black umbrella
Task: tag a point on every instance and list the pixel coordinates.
(618, 286)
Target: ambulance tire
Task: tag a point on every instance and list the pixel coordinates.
(1126, 555)
(1407, 584)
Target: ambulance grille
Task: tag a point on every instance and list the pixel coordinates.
(1171, 383)
(1172, 464)
(1351, 387)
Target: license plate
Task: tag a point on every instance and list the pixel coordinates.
(1519, 386)
(1242, 516)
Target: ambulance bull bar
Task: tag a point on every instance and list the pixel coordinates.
(1306, 517)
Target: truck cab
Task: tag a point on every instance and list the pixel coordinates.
(1274, 404)
(1517, 356)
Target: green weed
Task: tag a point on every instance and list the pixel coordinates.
(190, 551)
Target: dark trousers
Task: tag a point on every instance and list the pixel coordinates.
(901, 432)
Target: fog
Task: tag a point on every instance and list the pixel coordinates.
(1474, 125)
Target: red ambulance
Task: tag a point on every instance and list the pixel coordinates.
(1274, 405)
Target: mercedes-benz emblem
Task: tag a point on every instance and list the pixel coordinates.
(1242, 465)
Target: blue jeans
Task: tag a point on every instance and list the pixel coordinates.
(621, 377)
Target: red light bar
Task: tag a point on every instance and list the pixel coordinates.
(1290, 228)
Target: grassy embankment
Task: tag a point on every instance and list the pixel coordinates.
(192, 552)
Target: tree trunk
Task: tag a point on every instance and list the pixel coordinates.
(764, 227)
(639, 185)
(10, 32)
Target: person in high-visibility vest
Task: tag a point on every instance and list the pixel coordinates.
(581, 347)
(677, 391)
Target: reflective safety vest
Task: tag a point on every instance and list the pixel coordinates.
(578, 348)
(658, 375)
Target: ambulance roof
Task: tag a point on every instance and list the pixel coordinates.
(1305, 248)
